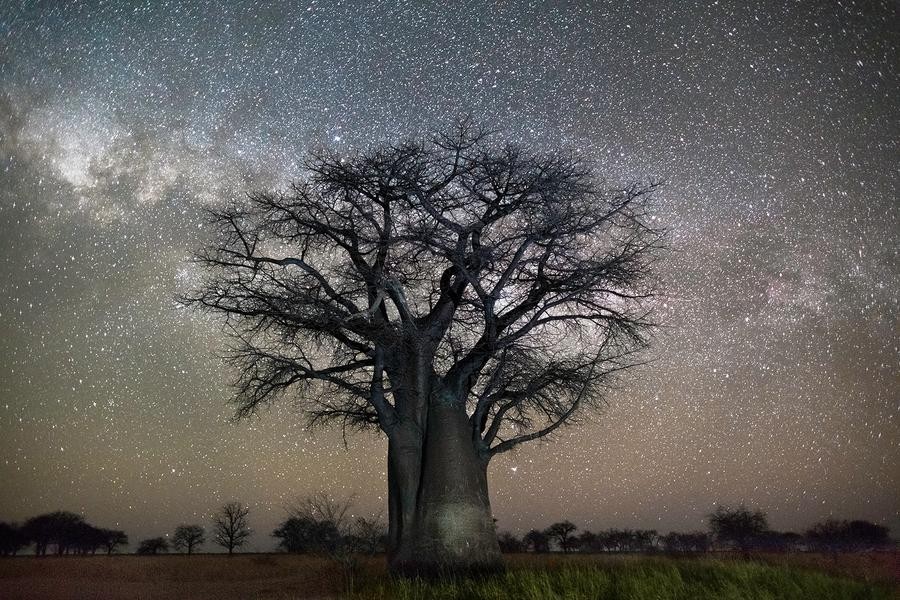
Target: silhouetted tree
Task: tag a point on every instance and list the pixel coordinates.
(230, 526)
(865, 535)
(644, 540)
(58, 528)
(602, 542)
(779, 541)
(536, 541)
(828, 536)
(188, 537)
(321, 524)
(368, 535)
(617, 540)
(113, 539)
(509, 543)
(739, 527)
(156, 545)
(588, 541)
(461, 295)
(697, 541)
(302, 535)
(12, 539)
(563, 533)
(86, 538)
(835, 536)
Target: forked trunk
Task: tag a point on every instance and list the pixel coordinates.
(439, 511)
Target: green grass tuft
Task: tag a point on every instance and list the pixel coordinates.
(658, 579)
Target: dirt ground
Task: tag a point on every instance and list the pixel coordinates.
(200, 577)
(289, 577)
(868, 566)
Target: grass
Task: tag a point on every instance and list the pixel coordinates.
(646, 578)
(529, 577)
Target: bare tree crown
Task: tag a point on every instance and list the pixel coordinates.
(514, 280)
(230, 526)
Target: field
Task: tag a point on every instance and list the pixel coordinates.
(289, 577)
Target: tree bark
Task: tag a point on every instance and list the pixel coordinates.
(439, 510)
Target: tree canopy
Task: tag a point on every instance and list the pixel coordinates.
(230, 526)
(739, 526)
(520, 276)
(188, 537)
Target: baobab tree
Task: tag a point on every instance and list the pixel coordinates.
(461, 295)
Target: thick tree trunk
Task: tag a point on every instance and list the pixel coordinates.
(439, 511)
(404, 471)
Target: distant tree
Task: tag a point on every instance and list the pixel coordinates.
(536, 541)
(58, 528)
(673, 542)
(72, 531)
(301, 535)
(317, 523)
(627, 540)
(86, 539)
(779, 541)
(697, 541)
(114, 538)
(738, 527)
(833, 536)
(604, 542)
(359, 537)
(618, 540)
(12, 539)
(828, 536)
(368, 535)
(791, 541)
(230, 526)
(588, 541)
(867, 535)
(644, 540)
(67, 532)
(321, 524)
(188, 537)
(509, 543)
(156, 545)
(563, 533)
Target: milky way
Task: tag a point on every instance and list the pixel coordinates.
(774, 380)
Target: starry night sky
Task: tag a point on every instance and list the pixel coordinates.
(775, 380)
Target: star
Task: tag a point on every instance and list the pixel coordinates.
(772, 381)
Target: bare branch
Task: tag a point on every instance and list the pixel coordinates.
(455, 267)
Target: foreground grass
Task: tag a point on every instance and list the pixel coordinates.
(657, 579)
(529, 577)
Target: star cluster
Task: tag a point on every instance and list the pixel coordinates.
(773, 381)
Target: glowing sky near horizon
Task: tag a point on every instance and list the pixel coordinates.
(775, 380)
